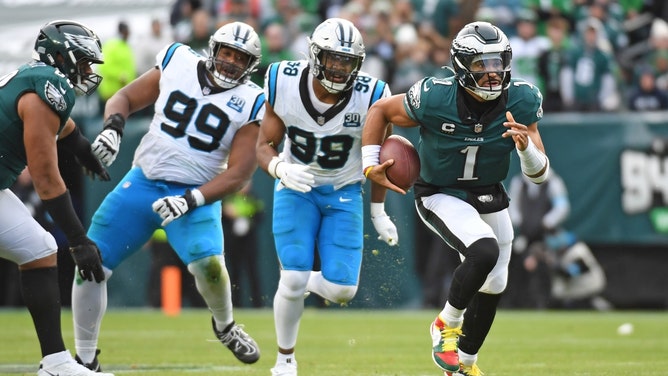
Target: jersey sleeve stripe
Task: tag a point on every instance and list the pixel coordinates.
(377, 92)
(169, 54)
(257, 106)
(271, 82)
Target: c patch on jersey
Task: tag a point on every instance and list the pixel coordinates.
(236, 103)
(413, 94)
(352, 120)
(54, 96)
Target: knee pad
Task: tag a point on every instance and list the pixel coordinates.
(292, 284)
(483, 253)
(337, 293)
(208, 270)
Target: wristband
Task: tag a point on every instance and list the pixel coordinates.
(115, 122)
(367, 170)
(271, 168)
(62, 212)
(377, 209)
(370, 156)
(194, 198)
(533, 162)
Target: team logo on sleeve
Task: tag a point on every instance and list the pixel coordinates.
(236, 103)
(413, 95)
(54, 96)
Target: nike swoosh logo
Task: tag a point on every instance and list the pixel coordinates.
(341, 199)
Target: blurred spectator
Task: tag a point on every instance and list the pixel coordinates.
(611, 16)
(657, 58)
(527, 46)
(645, 96)
(147, 45)
(552, 61)
(588, 80)
(274, 40)
(546, 9)
(240, 215)
(202, 28)
(119, 66)
(501, 13)
(440, 16)
(536, 211)
(247, 11)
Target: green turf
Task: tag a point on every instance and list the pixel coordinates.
(342, 342)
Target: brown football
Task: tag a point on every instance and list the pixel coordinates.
(406, 168)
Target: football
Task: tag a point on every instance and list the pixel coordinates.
(406, 168)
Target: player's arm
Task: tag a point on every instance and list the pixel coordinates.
(241, 165)
(272, 131)
(40, 127)
(381, 115)
(293, 175)
(135, 96)
(533, 159)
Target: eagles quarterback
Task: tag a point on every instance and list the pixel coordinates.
(36, 101)
(316, 109)
(469, 125)
(200, 146)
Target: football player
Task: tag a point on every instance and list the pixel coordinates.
(316, 109)
(35, 105)
(469, 125)
(200, 146)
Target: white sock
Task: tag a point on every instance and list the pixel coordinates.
(89, 303)
(286, 358)
(289, 306)
(452, 316)
(216, 292)
(467, 359)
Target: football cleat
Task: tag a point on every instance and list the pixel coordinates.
(68, 367)
(466, 371)
(287, 368)
(239, 342)
(94, 365)
(445, 342)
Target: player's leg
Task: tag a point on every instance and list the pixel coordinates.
(480, 313)
(198, 240)
(340, 242)
(36, 256)
(296, 220)
(460, 225)
(121, 225)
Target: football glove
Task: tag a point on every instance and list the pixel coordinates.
(292, 175)
(87, 258)
(172, 207)
(108, 142)
(386, 229)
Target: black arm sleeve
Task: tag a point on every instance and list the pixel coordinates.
(61, 210)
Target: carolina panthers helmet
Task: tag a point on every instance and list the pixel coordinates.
(72, 48)
(336, 39)
(482, 42)
(238, 36)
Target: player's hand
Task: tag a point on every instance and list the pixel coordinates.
(87, 258)
(295, 176)
(517, 131)
(92, 166)
(378, 175)
(172, 207)
(386, 229)
(106, 146)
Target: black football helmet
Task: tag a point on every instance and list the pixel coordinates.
(72, 48)
(482, 43)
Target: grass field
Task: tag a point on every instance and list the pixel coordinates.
(342, 342)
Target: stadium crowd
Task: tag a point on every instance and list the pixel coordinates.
(585, 55)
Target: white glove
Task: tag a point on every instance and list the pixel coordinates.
(292, 175)
(106, 146)
(387, 231)
(172, 207)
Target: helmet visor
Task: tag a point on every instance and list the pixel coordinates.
(338, 67)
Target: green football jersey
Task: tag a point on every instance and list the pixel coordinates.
(54, 89)
(459, 151)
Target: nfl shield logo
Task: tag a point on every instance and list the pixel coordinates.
(321, 120)
(477, 128)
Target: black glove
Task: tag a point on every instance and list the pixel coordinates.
(80, 147)
(87, 257)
